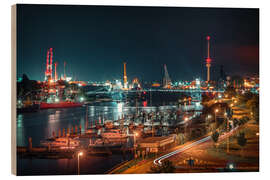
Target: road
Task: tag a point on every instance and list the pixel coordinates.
(158, 160)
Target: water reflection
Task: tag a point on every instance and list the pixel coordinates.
(53, 123)
(42, 124)
(20, 130)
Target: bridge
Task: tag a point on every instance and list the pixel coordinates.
(156, 90)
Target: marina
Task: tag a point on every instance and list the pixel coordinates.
(102, 128)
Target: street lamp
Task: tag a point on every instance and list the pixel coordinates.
(81, 99)
(228, 129)
(134, 143)
(187, 122)
(79, 154)
(216, 110)
(135, 134)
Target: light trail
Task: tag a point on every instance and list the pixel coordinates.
(158, 160)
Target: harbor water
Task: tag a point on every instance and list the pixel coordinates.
(41, 125)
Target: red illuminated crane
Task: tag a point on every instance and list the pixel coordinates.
(48, 72)
(55, 72)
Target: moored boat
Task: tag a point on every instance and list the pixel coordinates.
(62, 143)
(91, 131)
(113, 134)
(102, 143)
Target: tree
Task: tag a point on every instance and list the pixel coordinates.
(215, 137)
(205, 98)
(242, 141)
(230, 91)
(27, 88)
(243, 120)
(245, 97)
(180, 138)
(166, 167)
(253, 105)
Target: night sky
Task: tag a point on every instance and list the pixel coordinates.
(96, 40)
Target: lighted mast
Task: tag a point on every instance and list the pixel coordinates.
(125, 76)
(55, 72)
(208, 59)
(48, 71)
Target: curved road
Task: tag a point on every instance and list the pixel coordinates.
(158, 160)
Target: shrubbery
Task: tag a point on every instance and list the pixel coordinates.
(166, 167)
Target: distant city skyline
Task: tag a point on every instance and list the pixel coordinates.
(94, 41)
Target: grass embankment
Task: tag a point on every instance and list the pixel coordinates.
(131, 165)
(250, 152)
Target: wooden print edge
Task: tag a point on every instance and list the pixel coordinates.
(13, 87)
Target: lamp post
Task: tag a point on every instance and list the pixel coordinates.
(79, 154)
(228, 129)
(216, 111)
(208, 122)
(186, 120)
(134, 143)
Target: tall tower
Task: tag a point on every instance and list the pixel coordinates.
(65, 70)
(208, 59)
(125, 76)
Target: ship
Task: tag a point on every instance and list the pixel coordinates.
(113, 134)
(91, 131)
(62, 143)
(64, 104)
(103, 143)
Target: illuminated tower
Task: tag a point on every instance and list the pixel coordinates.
(51, 65)
(55, 72)
(125, 76)
(64, 70)
(48, 72)
(208, 59)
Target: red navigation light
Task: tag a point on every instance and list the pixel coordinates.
(208, 38)
(144, 103)
(208, 60)
(144, 92)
